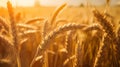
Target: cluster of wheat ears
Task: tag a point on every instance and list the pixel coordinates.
(56, 42)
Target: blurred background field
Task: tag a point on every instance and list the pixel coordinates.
(90, 37)
(77, 10)
(73, 14)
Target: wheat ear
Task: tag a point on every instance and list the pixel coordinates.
(93, 27)
(107, 26)
(13, 24)
(14, 31)
(44, 45)
(49, 24)
(4, 23)
(111, 35)
(61, 29)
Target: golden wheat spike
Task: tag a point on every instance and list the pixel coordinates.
(67, 37)
(48, 25)
(93, 27)
(111, 36)
(78, 53)
(53, 34)
(44, 45)
(14, 31)
(4, 23)
(107, 26)
(10, 8)
(56, 12)
(13, 24)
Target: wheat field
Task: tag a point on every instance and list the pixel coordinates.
(63, 36)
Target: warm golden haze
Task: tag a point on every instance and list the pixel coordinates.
(62, 36)
(55, 2)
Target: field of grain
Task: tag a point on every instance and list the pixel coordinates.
(63, 36)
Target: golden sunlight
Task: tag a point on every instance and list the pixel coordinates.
(24, 2)
(59, 33)
(53, 2)
(17, 2)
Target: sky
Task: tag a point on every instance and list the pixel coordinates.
(54, 2)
